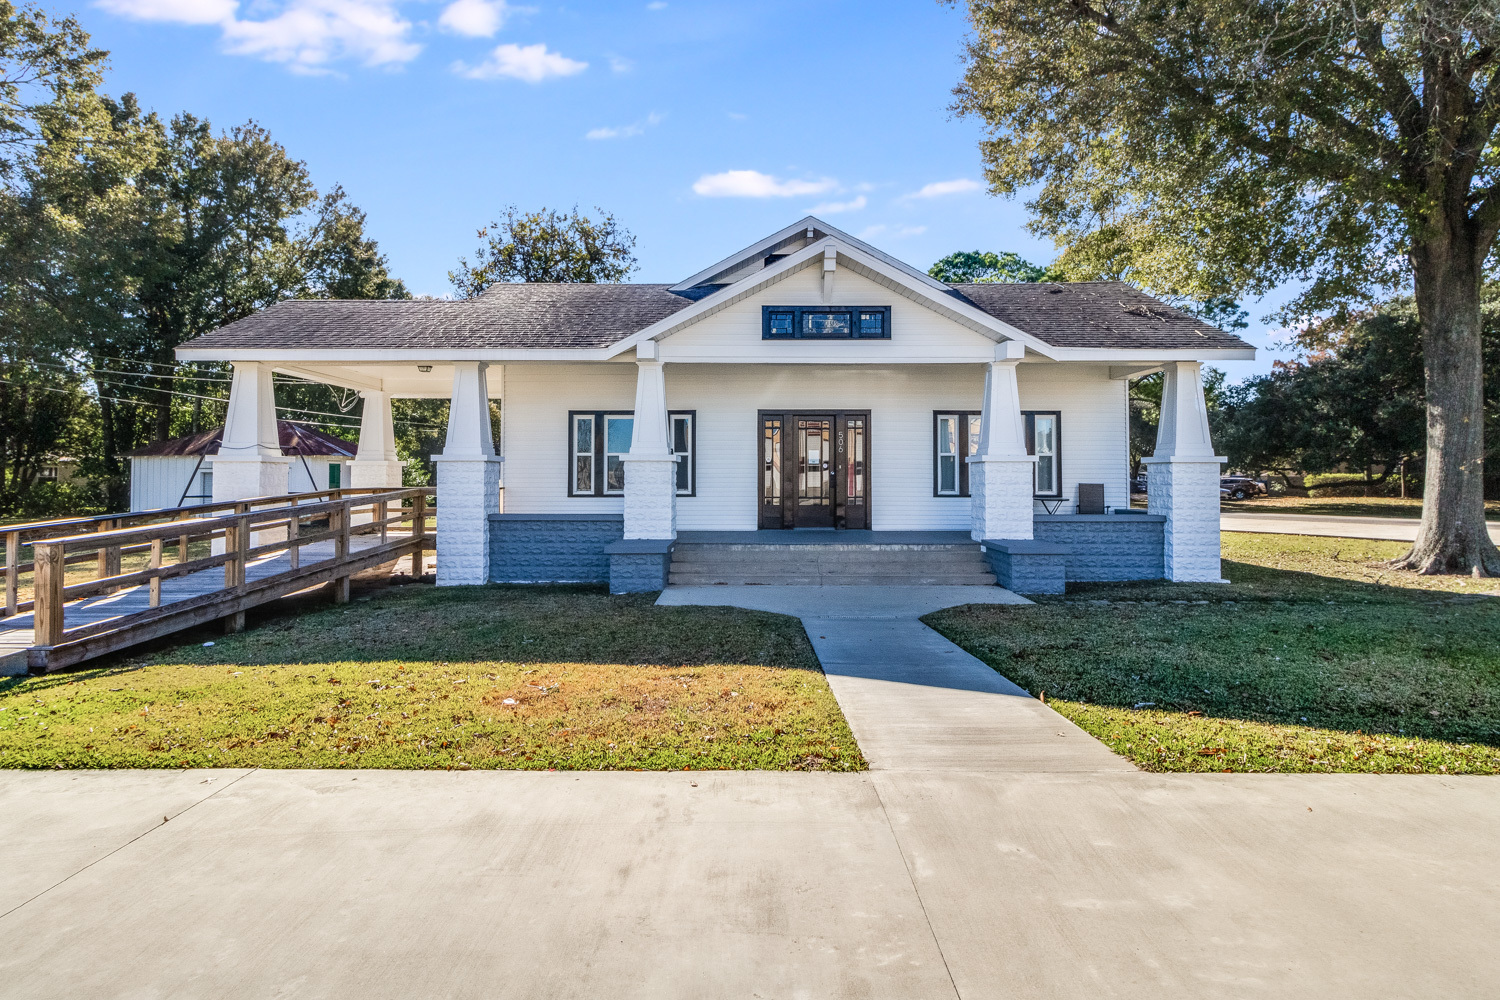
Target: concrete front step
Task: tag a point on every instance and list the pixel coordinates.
(848, 564)
(707, 579)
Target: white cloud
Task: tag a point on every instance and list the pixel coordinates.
(736, 116)
(532, 63)
(625, 131)
(620, 64)
(181, 11)
(939, 188)
(475, 18)
(834, 207)
(657, 5)
(754, 184)
(307, 35)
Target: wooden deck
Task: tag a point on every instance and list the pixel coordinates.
(261, 555)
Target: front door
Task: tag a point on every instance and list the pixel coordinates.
(814, 470)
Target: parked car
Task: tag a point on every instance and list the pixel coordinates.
(1138, 484)
(1240, 488)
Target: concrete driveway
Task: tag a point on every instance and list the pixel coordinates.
(1006, 856)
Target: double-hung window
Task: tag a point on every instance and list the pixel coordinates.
(599, 441)
(956, 438)
(1043, 430)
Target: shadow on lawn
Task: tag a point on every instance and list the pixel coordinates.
(1274, 646)
(523, 624)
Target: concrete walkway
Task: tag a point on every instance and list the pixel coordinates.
(1395, 529)
(914, 700)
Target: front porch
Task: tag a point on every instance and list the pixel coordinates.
(592, 548)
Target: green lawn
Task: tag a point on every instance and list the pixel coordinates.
(416, 677)
(1314, 658)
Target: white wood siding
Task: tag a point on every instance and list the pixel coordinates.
(918, 335)
(159, 481)
(901, 400)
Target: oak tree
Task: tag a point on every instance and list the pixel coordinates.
(1224, 147)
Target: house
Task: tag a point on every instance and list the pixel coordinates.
(808, 390)
(180, 472)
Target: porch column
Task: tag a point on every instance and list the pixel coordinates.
(375, 463)
(1182, 478)
(468, 480)
(650, 469)
(249, 462)
(1001, 475)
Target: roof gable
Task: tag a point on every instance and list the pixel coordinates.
(798, 236)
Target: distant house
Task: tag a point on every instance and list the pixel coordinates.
(180, 472)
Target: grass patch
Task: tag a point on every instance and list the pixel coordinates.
(1313, 658)
(416, 677)
(1340, 506)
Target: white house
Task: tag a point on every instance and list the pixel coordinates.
(807, 390)
(180, 472)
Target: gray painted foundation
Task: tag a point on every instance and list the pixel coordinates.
(1028, 567)
(552, 548)
(1107, 547)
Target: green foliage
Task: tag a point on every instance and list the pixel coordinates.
(547, 246)
(967, 266)
(121, 236)
(1222, 146)
(45, 500)
(1354, 399)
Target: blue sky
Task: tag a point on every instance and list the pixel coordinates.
(702, 124)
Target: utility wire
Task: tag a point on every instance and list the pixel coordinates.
(220, 399)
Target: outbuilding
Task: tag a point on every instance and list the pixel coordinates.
(180, 472)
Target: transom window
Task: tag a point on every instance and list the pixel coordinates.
(599, 441)
(956, 438)
(825, 323)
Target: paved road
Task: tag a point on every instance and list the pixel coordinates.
(1396, 529)
(1010, 872)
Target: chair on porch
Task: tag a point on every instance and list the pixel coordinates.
(1091, 498)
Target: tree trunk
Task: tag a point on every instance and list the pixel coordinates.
(1452, 537)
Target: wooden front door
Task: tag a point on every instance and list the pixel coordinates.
(814, 470)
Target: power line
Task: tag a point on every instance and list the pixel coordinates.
(218, 399)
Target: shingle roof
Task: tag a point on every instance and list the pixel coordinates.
(1108, 314)
(295, 439)
(506, 315)
(1095, 314)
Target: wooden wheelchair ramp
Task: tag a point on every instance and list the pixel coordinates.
(201, 564)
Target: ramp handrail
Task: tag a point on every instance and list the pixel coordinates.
(402, 531)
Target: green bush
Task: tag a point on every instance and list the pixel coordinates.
(47, 500)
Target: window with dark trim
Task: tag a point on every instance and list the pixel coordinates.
(955, 437)
(1044, 440)
(825, 322)
(599, 440)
